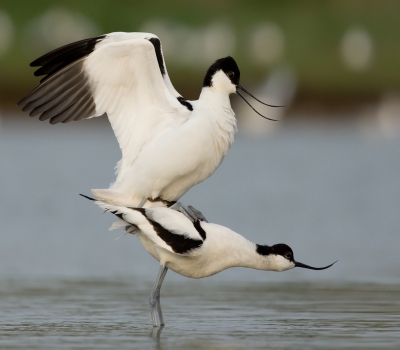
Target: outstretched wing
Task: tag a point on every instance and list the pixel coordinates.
(121, 74)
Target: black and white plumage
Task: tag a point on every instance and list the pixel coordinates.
(195, 249)
(168, 144)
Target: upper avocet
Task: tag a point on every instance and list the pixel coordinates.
(168, 143)
(195, 249)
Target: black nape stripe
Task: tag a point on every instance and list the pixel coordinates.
(263, 249)
(179, 244)
(157, 46)
(197, 226)
(183, 101)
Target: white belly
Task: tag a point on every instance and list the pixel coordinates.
(172, 164)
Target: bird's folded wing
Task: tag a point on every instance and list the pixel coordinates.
(164, 227)
(119, 74)
(171, 231)
(174, 222)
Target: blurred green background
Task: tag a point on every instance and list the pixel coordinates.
(339, 53)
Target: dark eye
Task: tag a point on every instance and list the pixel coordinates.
(231, 74)
(288, 256)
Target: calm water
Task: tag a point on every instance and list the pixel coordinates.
(329, 194)
(113, 314)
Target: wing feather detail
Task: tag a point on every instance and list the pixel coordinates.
(166, 228)
(174, 222)
(127, 85)
(171, 230)
(57, 59)
(120, 74)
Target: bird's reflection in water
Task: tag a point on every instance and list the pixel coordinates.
(156, 332)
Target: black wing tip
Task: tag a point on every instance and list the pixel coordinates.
(90, 198)
(57, 59)
(22, 101)
(40, 61)
(36, 63)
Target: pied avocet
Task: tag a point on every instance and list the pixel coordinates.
(196, 248)
(168, 143)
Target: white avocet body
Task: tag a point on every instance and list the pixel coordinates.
(168, 143)
(195, 249)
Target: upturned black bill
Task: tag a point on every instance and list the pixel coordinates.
(299, 264)
(250, 94)
(247, 92)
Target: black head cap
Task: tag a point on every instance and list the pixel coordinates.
(287, 252)
(228, 66)
(277, 249)
(284, 250)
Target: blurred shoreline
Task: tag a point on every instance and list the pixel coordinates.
(336, 53)
(303, 111)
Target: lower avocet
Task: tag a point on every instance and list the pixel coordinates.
(196, 248)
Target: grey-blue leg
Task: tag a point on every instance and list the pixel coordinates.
(154, 300)
(197, 213)
(141, 204)
(157, 295)
(190, 212)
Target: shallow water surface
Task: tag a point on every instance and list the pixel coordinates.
(329, 194)
(104, 314)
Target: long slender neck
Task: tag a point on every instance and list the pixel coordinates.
(215, 98)
(216, 107)
(234, 250)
